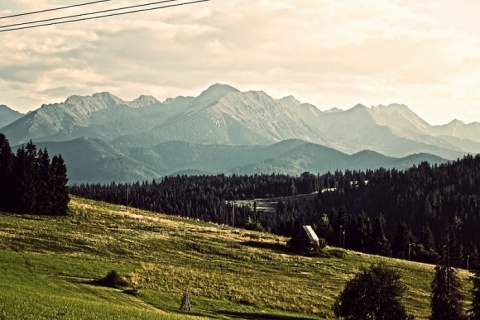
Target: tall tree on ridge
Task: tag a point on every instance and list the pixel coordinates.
(25, 175)
(446, 297)
(45, 185)
(474, 312)
(59, 181)
(6, 174)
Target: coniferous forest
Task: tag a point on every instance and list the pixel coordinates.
(395, 213)
(30, 182)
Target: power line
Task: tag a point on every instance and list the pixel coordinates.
(53, 9)
(85, 14)
(102, 16)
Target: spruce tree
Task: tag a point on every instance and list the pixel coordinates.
(427, 238)
(474, 312)
(6, 175)
(379, 242)
(25, 180)
(446, 297)
(403, 239)
(45, 185)
(59, 182)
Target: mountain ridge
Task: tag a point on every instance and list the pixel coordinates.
(100, 162)
(223, 114)
(8, 115)
(255, 132)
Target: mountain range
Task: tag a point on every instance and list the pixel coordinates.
(104, 138)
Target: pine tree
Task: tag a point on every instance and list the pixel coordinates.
(25, 173)
(474, 312)
(363, 231)
(59, 182)
(45, 185)
(446, 297)
(6, 175)
(427, 238)
(403, 239)
(379, 242)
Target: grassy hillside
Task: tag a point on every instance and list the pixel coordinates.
(48, 264)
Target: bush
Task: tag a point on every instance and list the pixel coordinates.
(373, 293)
(112, 280)
(185, 303)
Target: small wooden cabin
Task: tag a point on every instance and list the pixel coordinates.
(312, 236)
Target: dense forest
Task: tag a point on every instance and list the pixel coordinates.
(390, 212)
(30, 182)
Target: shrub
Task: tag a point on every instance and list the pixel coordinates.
(185, 303)
(112, 280)
(373, 293)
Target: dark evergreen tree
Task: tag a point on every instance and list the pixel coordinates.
(374, 293)
(403, 241)
(324, 229)
(363, 232)
(25, 174)
(379, 243)
(29, 183)
(474, 311)
(427, 239)
(7, 202)
(446, 297)
(45, 194)
(60, 191)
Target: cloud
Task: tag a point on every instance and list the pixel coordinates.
(330, 53)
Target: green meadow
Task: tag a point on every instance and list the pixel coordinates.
(48, 265)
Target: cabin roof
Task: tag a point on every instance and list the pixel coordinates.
(311, 234)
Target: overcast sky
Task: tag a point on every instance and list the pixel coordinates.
(425, 54)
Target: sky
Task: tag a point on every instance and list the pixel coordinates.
(332, 54)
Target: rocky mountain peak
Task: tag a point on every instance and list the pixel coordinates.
(144, 101)
(216, 92)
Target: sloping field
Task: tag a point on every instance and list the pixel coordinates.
(48, 263)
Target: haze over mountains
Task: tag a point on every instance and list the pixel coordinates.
(104, 138)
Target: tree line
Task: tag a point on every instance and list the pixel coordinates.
(399, 213)
(31, 183)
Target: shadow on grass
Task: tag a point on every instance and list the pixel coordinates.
(264, 245)
(260, 316)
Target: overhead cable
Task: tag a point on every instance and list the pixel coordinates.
(85, 14)
(53, 9)
(97, 17)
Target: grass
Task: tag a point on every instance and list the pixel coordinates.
(48, 265)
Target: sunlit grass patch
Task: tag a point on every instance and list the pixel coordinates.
(49, 263)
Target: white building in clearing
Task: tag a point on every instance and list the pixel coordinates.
(314, 240)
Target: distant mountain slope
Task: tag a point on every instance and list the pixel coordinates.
(458, 129)
(95, 161)
(319, 159)
(8, 115)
